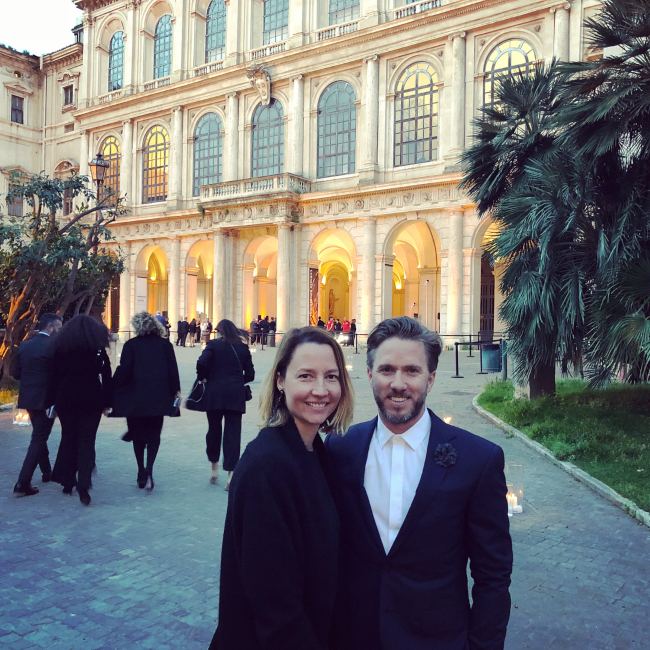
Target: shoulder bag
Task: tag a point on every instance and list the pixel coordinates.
(248, 393)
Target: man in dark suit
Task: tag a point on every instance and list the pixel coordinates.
(32, 366)
(418, 499)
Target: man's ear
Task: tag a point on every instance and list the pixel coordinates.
(369, 371)
(432, 377)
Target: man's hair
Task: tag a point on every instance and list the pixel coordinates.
(46, 319)
(407, 329)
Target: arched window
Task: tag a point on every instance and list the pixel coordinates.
(155, 165)
(110, 149)
(512, 57)
(162, 48)
(207, 152)
(215, 31)
(116, 62)
(416, 116)
(341, 11)
(268, 140)
(337, 130)
(276, 21)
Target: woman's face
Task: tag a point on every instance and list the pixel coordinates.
(311, 385)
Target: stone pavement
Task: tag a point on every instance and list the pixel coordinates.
(139, 570)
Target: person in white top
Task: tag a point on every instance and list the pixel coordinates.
(418, 499)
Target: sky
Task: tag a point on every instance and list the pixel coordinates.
(39, 26)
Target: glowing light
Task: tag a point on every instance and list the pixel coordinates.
(447, 419)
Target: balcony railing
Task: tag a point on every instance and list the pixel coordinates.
(333, 31)
(415, 8)
(207, 68)
(267, 50)
(157, 83)
(251, 187)
(109, 97)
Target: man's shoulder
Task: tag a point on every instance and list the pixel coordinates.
(350, 441)
(477, 446)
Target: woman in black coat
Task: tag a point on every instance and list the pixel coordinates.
(81, 391)
(280, 543)
(226, 367)
(146, 386)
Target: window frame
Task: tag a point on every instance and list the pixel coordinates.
(491, 76)
(68, 95)
(347, 137)
(275, 21)
(163, 46)
(115, 80)
(207, 152)
(272, 163)
(215, 16)
(160, 172)
(111, 150)
(15, 207)
(17, 110)
(342, 11)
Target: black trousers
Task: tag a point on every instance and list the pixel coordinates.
(76, 457)
(37, 452)
(231, 438)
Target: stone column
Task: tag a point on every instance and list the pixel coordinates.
(371, 121)
(457, 122)
(368, 13)
(284, 296)
(296, 126)
(85, 83)
(173, 312)
(231, 145)
(296, 27)
(455, 273)
(367, 276)
(126, 163)
(84, 146)
(130, 45)
(219, 280)
(176, 157)
(179, 40)
(125, 292)
(561, 40)
(233, 48)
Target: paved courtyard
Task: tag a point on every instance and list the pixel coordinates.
(140, 570)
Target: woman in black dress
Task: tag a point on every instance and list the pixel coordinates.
(226, 367)
(192, 332)
(280, 544)
(146, 383)
(82, 390)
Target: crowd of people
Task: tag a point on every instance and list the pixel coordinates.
(358, 539)
(194, 332)
(345, 331)
(262, 329)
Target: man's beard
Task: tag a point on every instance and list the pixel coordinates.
(393, 418)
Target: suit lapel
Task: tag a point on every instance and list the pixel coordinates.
(432, 478)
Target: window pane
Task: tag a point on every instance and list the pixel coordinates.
(510, 58)
(336, 130)
(215, 31)
(207, 152)
(15, 204)
(416, 116)
(116, 62)
(162, 49)
(110, 149)
(17, 112)
(268, 140)
(155, 165)
(276, 20)
(341, 11)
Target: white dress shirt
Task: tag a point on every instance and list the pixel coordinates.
(393, 471)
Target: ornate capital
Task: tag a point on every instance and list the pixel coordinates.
(454, 36)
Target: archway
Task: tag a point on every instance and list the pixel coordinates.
(199, 280)
(412, 273)
(332, 276)
(260, 278)
(151, 280)
(490, 297)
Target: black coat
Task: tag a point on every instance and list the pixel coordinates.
(280, 548)
(224, 389)
(82, 380)
(416, 596)
(146, 380)
(32, 365)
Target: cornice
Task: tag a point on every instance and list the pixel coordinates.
(91, 5)
(63, 57)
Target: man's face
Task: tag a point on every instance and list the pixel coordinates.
(400, 381)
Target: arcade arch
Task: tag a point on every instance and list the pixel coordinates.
(151, 280)
(260, 278)
(199, 279)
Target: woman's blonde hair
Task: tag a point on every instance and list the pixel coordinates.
(273, 407)
(144, 323)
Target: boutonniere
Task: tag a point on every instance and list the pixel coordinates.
(445, 455)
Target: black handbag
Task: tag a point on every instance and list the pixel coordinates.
(248, 393)
(193, 401)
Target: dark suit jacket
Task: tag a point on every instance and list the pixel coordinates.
(82, 380)
(280, 548)
(146, 381)
(226, 375)
(416, 596)
(32, 366)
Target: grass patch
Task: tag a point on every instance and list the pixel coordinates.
(604, 432)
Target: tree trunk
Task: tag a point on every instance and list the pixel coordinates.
(542, 381)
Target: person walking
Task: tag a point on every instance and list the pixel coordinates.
(191, 330)
(145, 387)
(226, 367)
(82, 390)
(32, 366)
(280, 552)
(183, 328)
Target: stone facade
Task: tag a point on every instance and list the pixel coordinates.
(383, 239)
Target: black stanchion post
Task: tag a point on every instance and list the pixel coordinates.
(456, 376)
(470, 345)
(504, 360)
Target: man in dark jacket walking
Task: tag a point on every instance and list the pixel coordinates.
(32, 366)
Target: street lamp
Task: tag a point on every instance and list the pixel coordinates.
(98, 167)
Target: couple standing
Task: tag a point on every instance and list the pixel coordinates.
(362, 543)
